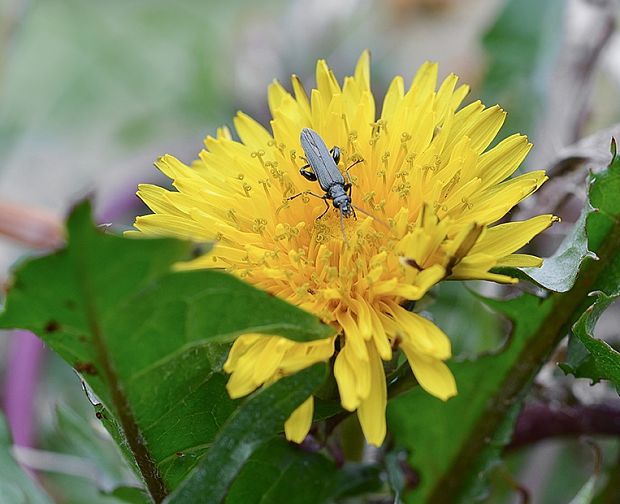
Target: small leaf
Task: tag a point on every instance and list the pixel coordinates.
(131, 495)
(599, 361)
(558, 272)
(589, 357)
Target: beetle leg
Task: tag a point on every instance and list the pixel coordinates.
(326, 208)
(347, 170)
(348, 187)
(311, 176)
(304, 193)
(335, 152)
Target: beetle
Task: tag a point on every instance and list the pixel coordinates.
(324, 164)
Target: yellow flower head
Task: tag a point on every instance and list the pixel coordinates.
(426, 193)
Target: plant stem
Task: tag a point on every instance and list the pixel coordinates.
(541, 421)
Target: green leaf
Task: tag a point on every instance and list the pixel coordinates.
(16, 487)
(559, 272)
(278, 471)
(149, 341)
(586, 493)
(131, 495)
(589, 357)
(599, 361)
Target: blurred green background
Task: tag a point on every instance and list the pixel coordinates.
(92, 92)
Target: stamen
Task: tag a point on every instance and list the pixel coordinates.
(369, 197)
(247, 188)
(332, 273)
(450, 185)
(231, 214)
(346, 123)
(259, 154)
(385, 159)
(382, 173)
(259, 225)
(266, 183)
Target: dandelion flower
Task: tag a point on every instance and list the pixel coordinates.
(430, 191)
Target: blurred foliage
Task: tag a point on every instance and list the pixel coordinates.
(459, 312)
(103, 470)
(138, 69)
(520, 47)
(151, 69)
(16, 487)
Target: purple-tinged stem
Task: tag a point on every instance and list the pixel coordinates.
(20, 385)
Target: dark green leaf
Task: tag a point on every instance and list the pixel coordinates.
(16, 487)
(131, 495)
(586, 493)
(149, 341)
(280, 472)
(246, 430)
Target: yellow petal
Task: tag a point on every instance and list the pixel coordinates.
(504, 239)
(371, 411)
(502, 161)
(362, 70)
(393, 97)
(345, 376)
(520, 261)
(420, 335)
(251, 132)
(433, 376)
(298, 424)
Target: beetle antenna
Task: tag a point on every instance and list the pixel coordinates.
(383, 223)
(344, 235)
